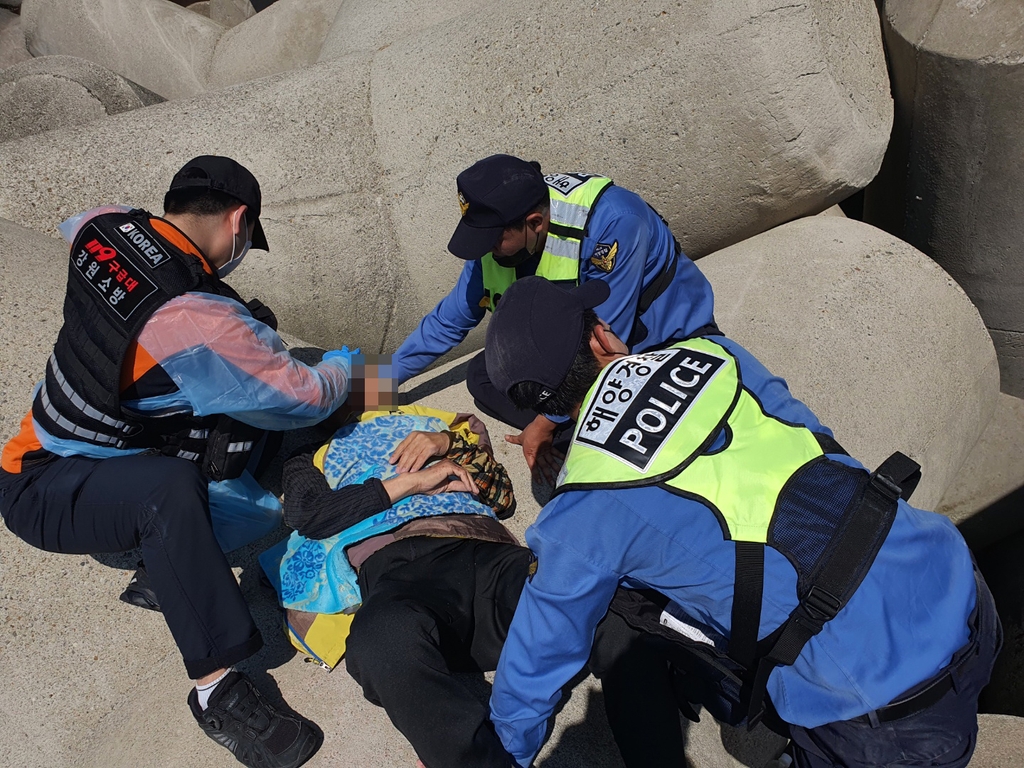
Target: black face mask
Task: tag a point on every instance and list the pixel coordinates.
(517, 258)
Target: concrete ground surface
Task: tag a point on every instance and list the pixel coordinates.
(999, 742)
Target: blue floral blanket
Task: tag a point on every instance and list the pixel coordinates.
(315, 575)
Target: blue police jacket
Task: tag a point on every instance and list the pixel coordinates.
(901, 627)
(645, 246)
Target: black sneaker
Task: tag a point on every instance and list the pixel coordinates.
(139, 591)
(259, 736)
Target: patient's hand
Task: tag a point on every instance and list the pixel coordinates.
(418, 448)
(443, 477)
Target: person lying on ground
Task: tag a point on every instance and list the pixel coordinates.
(396, 520)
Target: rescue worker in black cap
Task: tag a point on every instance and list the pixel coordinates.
(162, 380)
(568, 228)
(710, 542)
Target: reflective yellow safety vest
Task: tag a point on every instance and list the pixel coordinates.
(573, 196)
(652, 418)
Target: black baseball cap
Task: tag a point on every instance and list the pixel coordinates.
(536, 331)
(493, 193)
(224, 175)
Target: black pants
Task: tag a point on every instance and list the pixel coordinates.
(639, 699)
(78, 505)
(432, 607)
(644, 692)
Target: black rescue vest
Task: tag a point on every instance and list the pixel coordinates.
(121, 271)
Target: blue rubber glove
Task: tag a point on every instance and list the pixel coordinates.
(344, 355)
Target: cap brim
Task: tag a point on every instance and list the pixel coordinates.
(471, 243)
(593, 293)
(259, 237)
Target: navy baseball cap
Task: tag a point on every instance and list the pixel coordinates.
(536, 331)
(493, 193)
(224, 175)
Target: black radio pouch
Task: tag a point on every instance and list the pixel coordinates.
(229, 447)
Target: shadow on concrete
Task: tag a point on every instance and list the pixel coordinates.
(995, 523)
(995, 535)
(434, 385)
(587, 743)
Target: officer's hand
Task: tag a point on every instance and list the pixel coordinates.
(536, 440)
(418, 448)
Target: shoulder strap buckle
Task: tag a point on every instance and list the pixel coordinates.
(821, 605)
(901, 472)
(885, 486)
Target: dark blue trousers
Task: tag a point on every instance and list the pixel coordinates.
(942, 735)
(644, 690)
(78, 505)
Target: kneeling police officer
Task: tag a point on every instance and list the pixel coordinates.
(568, 228)
(750, 565)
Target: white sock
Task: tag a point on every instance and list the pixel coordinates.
(205, 691)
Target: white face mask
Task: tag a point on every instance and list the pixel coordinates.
(234, 261)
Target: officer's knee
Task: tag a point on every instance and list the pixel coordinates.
(177, 493)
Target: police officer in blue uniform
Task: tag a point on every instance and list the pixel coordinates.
(730, 536)
(569, 228)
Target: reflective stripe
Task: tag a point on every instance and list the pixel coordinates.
(239, 447)
(560, 260)
(569, 214)
(188, 455)
(199, 434)
(79, 403)
(566, 249)
(74, 429)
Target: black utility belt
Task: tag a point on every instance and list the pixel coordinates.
(919, 702)
(943, 682)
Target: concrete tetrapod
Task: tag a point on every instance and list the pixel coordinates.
(813, 299)
(371, 25)
(230, 13)
(12, 40)
(285, 36)
(58, 91)
(112, 688)
(159, 45)
(707, 117)
(951, 180)
(881, 343)
(186, 51)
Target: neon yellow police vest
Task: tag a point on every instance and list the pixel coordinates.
(651, 418)
(573, 196)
